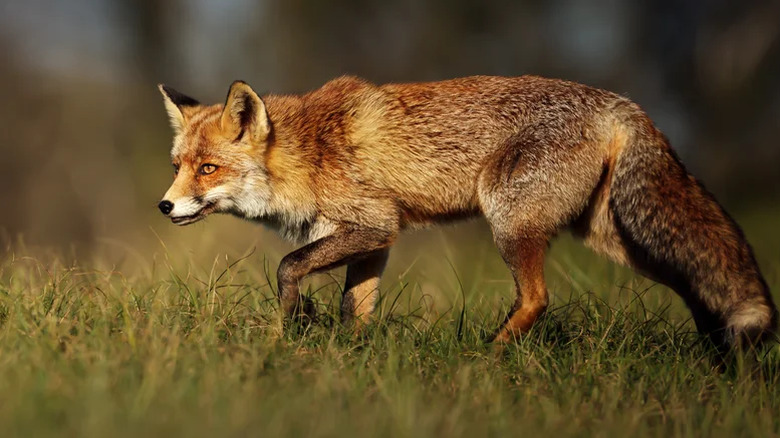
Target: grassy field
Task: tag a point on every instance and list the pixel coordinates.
(187, 341)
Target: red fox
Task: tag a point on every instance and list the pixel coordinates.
(345, 168)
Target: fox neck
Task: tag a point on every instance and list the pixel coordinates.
(288, 198)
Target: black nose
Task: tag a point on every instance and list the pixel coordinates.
(165, 206)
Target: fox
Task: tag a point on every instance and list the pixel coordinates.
(344, 169)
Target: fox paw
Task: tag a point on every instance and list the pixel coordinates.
(303, 310)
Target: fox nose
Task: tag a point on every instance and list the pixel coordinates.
(165, 207)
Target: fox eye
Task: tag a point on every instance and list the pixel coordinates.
(207, 169)
(175, 169)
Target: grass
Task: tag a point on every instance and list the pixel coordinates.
(178, 346)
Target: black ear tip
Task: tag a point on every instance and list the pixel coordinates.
(168, 91)
(177, 98)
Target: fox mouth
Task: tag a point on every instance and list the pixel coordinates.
(195, 217)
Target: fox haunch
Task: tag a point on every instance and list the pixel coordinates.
(345, 168)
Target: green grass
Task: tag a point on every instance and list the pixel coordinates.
(178, 346)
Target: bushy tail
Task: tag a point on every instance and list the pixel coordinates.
(677, 234)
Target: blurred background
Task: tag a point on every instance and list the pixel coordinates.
(85, 139)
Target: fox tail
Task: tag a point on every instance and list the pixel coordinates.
(676, 233)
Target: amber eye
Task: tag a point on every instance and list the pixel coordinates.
(207, 169)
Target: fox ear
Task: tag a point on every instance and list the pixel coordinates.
(176, 104)
(245, 113)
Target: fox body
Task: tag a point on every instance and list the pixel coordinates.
(345, 168)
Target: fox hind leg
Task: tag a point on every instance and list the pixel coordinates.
(528, 192)
(525, 258)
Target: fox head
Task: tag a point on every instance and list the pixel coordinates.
(217, 156)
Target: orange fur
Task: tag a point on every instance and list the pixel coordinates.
(345, 168)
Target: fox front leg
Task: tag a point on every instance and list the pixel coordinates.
(361, 289)
(346, 245)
